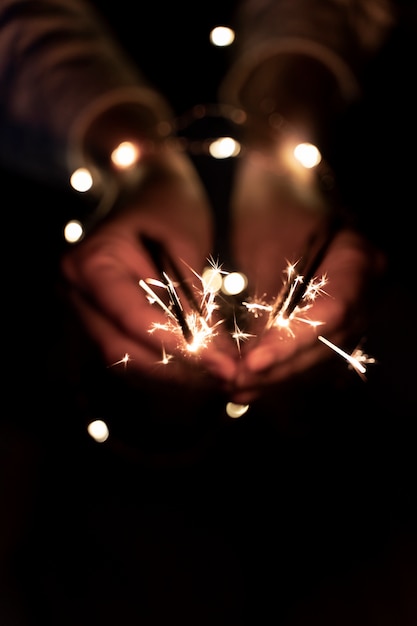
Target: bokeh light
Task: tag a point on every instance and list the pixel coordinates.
(98, 430)
(234, 283)
(307, 154)
(236, 410)
(81, 179)
(125, 155)
(224, 148)
(73, 231)
(222, 36)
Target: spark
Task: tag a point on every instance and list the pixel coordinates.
(295, 296)
(153, 298)
(238, 335)
(282, 313)
(256, 307)
(195, 327)
(123, 361)
(356, 360)
(216, 265)
(201, 332)
(315, 288)
(166, 358)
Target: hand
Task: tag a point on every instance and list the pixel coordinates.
(103, 273)
(272, 221)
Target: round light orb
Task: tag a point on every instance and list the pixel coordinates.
(236, 410)
(222, 36)
(98, 430)
(73, 231)
(81, 179)
(234, 283)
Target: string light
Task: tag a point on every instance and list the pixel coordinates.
(125, 155)
(81, 179)
(196, 328)
(222, 36)
(73, 231)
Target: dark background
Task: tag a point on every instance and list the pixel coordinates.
(308, 512)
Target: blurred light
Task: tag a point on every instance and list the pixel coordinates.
(125, 155)
(234, 283)
(224, 147)
(307, 154)
(236, 410)
(211, 279)
(222, 36)
(81, 179)
(73, 231)
(98, 430)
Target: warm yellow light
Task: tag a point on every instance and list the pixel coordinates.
(224, 147)
(98, 430)
(125, 155)
(211, 279)
(73, 231)
(81, 179)
(307, 154)
(234, 283)
(236, 410)
(222, 36)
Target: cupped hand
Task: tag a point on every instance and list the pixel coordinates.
(103, 274)
(272, 223)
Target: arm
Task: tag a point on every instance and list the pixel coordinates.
(70, 95)
(304, 60)
(60, 69)
(298, 68)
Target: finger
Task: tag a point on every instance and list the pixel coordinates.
(154, 359)
(114, 344)
(220, 364)
(114, 289)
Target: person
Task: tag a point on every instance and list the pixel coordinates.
(71, 94)
(89, 97)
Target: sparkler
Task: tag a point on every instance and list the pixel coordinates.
(302, 285)
(294, 299)
(195, 326)
(356, 360)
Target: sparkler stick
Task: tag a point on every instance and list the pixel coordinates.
(165, 264)
(352, 360)
(294, 290)
(163, 261)
(155, 298)
(177, 307)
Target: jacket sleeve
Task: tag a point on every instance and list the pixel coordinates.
(298, 54)
(60, 68)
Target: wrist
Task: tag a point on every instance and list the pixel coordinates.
(113, 143)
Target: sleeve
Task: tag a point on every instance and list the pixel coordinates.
(61, 70)
(304, 59)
